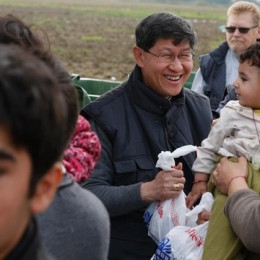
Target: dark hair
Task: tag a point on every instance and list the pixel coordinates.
(69, 91)
(14, 31)
(163, 26)
(252, 55)
(32, 108)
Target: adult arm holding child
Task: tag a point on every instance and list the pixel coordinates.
(243, 205)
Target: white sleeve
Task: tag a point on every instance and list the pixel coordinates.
(209, 149)
(198, 83)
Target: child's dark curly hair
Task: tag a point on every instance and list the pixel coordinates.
(251, 55)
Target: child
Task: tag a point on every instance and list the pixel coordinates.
(236, 133)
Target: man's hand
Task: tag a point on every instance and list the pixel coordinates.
(166, 185)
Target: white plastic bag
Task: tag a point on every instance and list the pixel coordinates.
(161, 216)
(166, 158)
(166, 215)
(182, 243)
(206, 202)
(186, 242)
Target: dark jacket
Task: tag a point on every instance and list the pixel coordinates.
(231, 95)
(213, 70)
(29, 247)
(134, 125)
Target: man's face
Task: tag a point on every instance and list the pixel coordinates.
(166, 79)
(247, 85)
(238, 41)
(15, 171)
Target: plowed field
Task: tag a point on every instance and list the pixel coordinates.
(94, 39)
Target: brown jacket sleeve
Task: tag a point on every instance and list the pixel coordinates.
(243, 211)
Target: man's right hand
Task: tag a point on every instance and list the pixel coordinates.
(166, 185)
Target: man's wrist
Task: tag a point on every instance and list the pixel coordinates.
(145, 194)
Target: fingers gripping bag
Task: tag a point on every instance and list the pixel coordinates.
(162, 216)
(186, 242)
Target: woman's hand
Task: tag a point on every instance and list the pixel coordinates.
(230, 176)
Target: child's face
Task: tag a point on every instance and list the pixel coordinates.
(247, 85)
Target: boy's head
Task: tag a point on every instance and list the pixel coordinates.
(33, 114)
(15, 31)
(251, 55)
(247, 85)
(32, 107)
(243, 20)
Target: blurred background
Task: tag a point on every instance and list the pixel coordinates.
(95, 38)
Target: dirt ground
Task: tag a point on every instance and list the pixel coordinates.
(96, 46)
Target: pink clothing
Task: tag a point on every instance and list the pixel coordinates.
(83, 152)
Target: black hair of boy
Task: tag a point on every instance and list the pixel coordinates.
(252, 55)
(14, 31)
(33, 125)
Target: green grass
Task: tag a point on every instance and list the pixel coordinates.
(93, 38)
(215, 42)
(124, 10)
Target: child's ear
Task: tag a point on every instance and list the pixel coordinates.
(46, 189)
(138, 54)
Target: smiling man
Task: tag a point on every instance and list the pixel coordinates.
(149, 113)
(219, 68)
(32, 118)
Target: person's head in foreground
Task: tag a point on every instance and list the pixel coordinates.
(15, 31)
(32, 115)
(242, 28)
(164, 52)
(247, 85)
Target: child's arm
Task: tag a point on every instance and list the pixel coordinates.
(199, 187)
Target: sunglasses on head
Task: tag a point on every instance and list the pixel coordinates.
(242, 30)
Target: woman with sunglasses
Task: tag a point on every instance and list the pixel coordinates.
(219, 67)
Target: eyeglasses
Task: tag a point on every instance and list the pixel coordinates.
(242, 30)
(168, 58)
